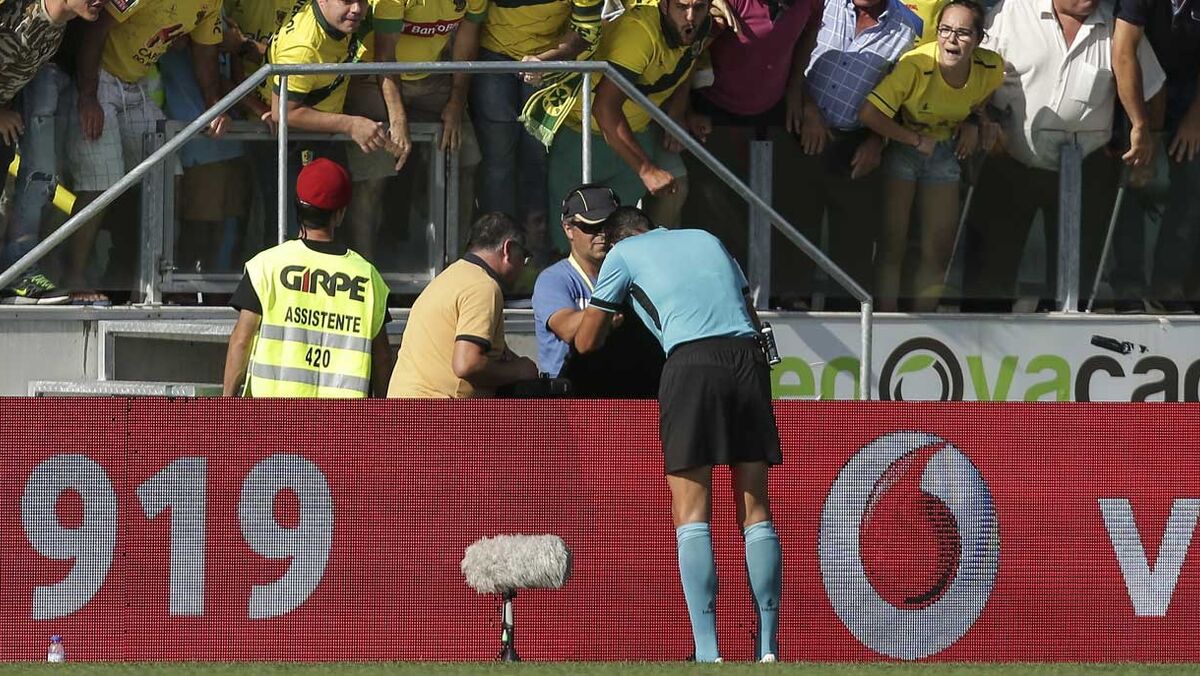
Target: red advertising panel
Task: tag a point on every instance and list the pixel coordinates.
(219, 529)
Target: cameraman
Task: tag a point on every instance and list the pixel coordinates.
(714, 399)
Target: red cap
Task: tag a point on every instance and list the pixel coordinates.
(324, 184)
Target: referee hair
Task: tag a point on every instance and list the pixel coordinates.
(492, 230)
(626, 222)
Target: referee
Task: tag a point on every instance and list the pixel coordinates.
(714, 402)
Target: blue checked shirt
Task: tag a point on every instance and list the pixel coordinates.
(845, 67)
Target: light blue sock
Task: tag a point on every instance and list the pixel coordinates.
(698, 573)
(764, 562)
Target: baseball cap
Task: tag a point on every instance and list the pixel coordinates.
(324, 184)
(590, 203)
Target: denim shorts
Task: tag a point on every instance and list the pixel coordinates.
(903, 162)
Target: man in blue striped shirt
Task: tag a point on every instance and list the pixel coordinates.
(849, 48)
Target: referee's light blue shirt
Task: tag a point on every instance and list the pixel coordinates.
(685, 286)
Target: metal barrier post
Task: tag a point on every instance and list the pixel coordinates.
(759, 259)
(281, 201)
(1070, 205)
(587, 128)
(864, 364)
(154, 223)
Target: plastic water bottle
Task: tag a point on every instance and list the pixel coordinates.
(56, 652)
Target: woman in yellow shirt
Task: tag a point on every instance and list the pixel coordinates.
(930, 106)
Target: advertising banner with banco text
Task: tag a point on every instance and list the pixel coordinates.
(302, 530)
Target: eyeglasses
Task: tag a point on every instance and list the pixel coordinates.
(525, 255)
(945, 32)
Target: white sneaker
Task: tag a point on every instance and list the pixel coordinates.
(769, 657)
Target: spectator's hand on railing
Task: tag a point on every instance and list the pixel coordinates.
(91, 117)
(723, 15)
(452, 126)
(656, 180)
(269, 120)
(699, 124)
(867, 156)
(397, 141)
(219, 125)
(368, 134)
(11, 127)
(814, 133)
(1186, 144)
(531, 78)
(968, 140)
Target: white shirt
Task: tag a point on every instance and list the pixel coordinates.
(1053, 90)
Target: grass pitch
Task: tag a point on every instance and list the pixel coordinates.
(587, 669)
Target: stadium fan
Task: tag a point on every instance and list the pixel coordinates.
(1051, 97)
(757, 93)
(848, 48)
(116, 59)
(311, 312)
(655, 46)
(932, 107)
(419, 32)
(30, 33)
(1171, 155)
(327, 31)
(512, 175)
(715, 402)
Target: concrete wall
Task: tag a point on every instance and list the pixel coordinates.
(61, 344)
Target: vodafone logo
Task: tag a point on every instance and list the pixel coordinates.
(909, 545)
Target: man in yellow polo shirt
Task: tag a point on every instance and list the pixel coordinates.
(654, 47)
(424, 36)
(115, 108)
(311, 313)
(453, 346)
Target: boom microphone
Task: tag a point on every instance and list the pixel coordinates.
(506, 563)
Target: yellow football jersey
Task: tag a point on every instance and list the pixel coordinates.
(145, 30)
(520, 28)
(308, 38)
(636, 45)
(925, 103)
(426, 29)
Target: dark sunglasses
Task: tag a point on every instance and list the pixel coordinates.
(589, 228)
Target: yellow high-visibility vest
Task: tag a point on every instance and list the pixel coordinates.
(320, 313)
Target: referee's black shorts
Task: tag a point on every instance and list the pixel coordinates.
(715, 405)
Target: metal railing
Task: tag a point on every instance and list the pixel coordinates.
(161, 269)
(587, 68)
